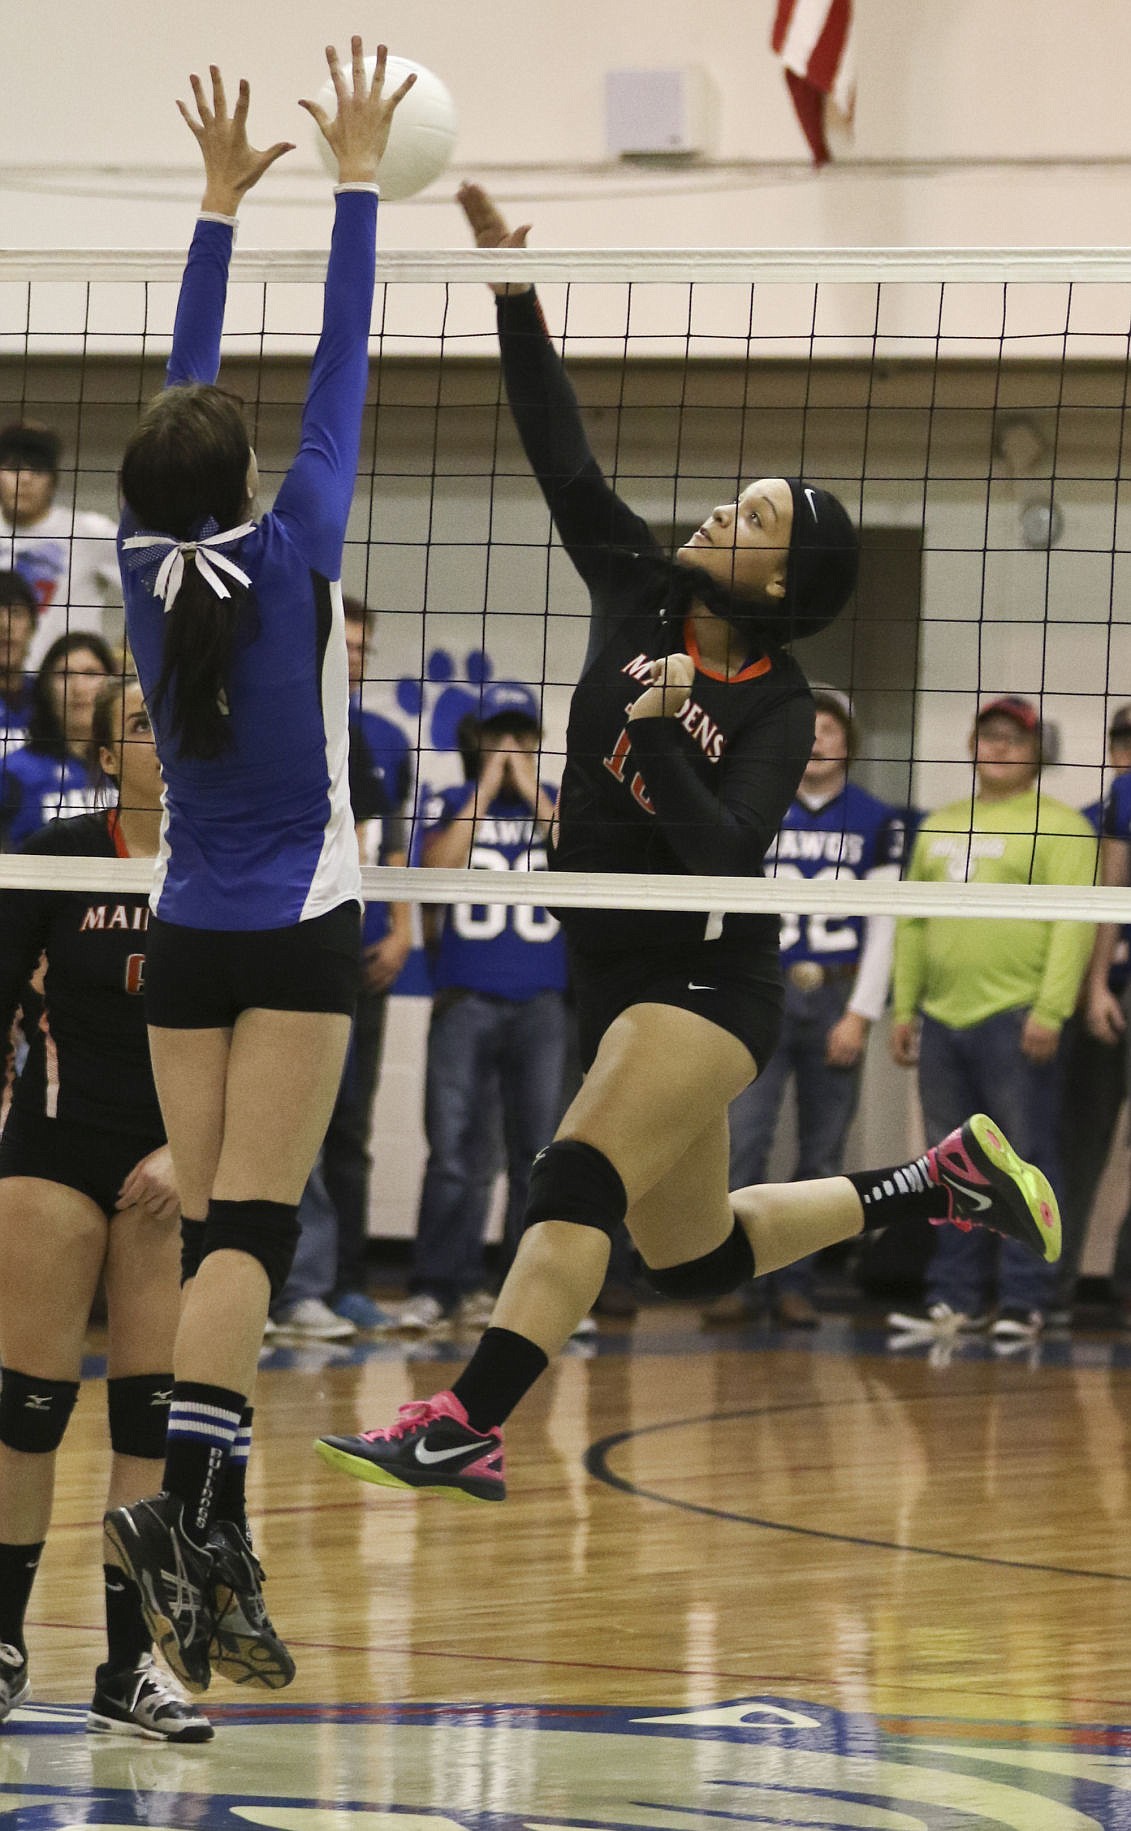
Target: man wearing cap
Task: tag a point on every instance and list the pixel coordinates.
(1098, 1085)
(499, 1017)
(836, 974)
(67, 555)
(981, 1004)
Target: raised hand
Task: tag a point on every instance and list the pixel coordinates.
(488, 226)
(231, 164)
(670, 682)
(359, 133)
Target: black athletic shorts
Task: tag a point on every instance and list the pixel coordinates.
(202, 978)
(737, 987)
(88, 1158)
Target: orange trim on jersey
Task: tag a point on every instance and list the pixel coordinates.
(750, 672)
(114, 828)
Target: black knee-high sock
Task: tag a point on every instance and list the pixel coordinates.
(501, 1371)
(127, 1637)
(18, 1565)
(231, 1495)
(905, 1192)
(203, 1424)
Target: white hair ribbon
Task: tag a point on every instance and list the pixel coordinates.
(209, 563)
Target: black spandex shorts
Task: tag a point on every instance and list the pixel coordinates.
(202, 978)
(737, 987)
(83, 1157)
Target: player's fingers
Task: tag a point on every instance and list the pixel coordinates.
(317, 112)
(357, 59)
(194, 125)
(219, 99)
(202, 107)
(274, 152)
(243, 102)
(337, 75)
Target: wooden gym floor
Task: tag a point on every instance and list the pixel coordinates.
(742, 1579)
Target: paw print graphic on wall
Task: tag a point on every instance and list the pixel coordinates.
(437, 713)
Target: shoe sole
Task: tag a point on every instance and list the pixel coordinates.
(244, 1660)
(363, 1470)
(161, 1629)
(21, 1697)
(98, 1725)
(1010, 1177)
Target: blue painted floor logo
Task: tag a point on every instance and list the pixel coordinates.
(442, 1767)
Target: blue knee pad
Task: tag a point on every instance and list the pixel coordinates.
(138, 1407)
(266, 1231)
(34, 1413)
(714, 1274)
(571, 1181)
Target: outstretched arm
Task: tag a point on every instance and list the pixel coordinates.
(231, 167)
(316, 494)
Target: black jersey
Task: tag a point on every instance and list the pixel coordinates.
(88, 1053)
(704, 792)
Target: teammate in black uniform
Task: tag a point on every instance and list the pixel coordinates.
(86, 1189)
(688, 735)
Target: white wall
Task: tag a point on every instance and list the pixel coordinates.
(976, 123)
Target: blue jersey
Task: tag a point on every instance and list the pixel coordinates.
(263, 836)
(1112, 820)
(511, 951)
(388, 755)
(38, 788)
(850, 836)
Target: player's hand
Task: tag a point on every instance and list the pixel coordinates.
(847, 1040)
(488, 226)
(150, 1186)
(904, 1044)
(493, 768)
(359, 133)
(383, 963)
(231, 164)
(670, 681)
(1104, 1016)
(1039, 1043)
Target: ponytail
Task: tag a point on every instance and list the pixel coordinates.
(185, 472)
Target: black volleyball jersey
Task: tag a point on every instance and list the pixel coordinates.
(88, 1053)
(701, 793)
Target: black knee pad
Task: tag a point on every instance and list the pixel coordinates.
(34, 1413)
(192, 1247)
(571, 1181)
(715, 1274)
(267, 1231)
(138, 1405)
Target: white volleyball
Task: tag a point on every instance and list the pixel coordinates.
(423, 133)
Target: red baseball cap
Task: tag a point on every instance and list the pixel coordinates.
(1022, 711)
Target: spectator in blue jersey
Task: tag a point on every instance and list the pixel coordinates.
(1097, 1079)
(49, 776)
(499, 1016)
(837, 973)
(17, 626)
(235, 622)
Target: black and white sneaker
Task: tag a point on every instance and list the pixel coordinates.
(174, 1579)
(245, 1647)
(142, 1701)
(14, 1686)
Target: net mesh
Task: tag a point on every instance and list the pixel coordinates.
(970, 409)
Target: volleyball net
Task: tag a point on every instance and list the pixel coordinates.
(969, 407)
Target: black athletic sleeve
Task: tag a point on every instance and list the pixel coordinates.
(608, 543)
(725, 828)
(25, 923)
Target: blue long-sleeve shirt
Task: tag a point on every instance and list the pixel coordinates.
(263, 836)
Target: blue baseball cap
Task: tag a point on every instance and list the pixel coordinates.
(508, 699)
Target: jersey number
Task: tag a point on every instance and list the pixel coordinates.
(487, 921)
(135, 973)
(824, 934)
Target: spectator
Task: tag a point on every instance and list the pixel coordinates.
(18, 612)
(990, 999)
(836, 973)
(499, 1011)
(50, 776)
(67, 555)
(1100, 1057)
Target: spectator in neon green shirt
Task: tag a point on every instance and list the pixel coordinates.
(980, 1004)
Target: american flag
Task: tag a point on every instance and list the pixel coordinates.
(813, 38)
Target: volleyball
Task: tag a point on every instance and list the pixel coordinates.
(422, 135)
